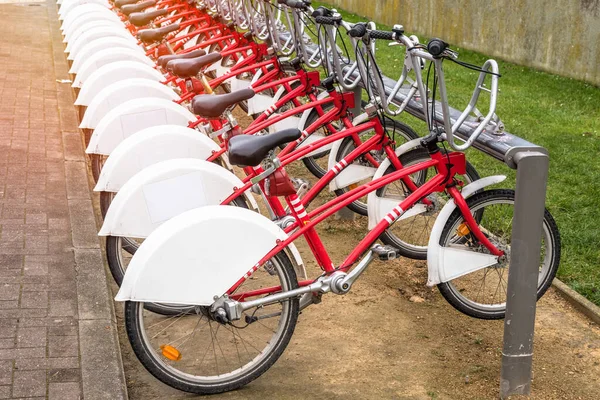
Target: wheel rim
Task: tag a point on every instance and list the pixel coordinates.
(226, 350)
(490, 283)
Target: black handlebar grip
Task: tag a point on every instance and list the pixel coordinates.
(299, 4)
(436, 47)
(381, 35)
(321, 12)
(326, 20)
(358, 30)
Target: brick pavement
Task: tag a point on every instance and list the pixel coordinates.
(57, 327)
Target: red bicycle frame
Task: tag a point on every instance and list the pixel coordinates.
(447, 166)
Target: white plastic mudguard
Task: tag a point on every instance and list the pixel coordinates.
(98, 32)
(379, 207)
(106, 57)
(133, 116)
(72, 35)
(151, 146)
(80, 11)
(91, 17)
(111, 73)
(69, 6)
(163, 191)
(120, 92)
(447, 263)
(100, 44)
(202, 253)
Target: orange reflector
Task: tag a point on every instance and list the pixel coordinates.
(170, 352)
(463, 230)
(353, 186)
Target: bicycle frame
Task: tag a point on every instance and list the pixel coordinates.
(447, 166)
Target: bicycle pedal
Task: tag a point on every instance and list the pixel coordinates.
(385, 253)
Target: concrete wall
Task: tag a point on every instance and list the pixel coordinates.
(558, 36)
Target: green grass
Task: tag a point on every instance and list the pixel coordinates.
(560, 114)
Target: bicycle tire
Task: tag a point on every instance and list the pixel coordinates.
(550, 234)
(159, 367)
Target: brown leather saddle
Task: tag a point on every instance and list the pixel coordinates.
(121, 3)
(149, 36)
(188, 67)
(139, 7)
(214, 105)
(144, 18)
(163, 60)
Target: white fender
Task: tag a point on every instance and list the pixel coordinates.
(106, 57)
(81, 10)
(96, 45)
(163, 191)
(120, 92)
(151, 146)
(133, 116)
(67, 7)
(72, 35)
(111, 73)
(91, 17)
(98, 32)
(206, 251)
(446, 263)
(378, 207)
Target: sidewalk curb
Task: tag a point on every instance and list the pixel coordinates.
(582, 304)
(102, 372)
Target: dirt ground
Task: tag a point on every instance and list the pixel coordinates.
(377, 342)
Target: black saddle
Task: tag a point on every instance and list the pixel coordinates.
(163, 60)
(188, 67)
(250, 150)
(132, 8)
(213, 105)
(144, 18)
(149, 36)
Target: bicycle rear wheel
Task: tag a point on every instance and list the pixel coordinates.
(482, 294)
(208, 357)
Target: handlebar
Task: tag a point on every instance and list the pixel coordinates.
(436, 47)
(383, 35)
(358, 30)
(297, 4)
(323, 20)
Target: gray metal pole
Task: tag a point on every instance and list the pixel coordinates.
(532, 176)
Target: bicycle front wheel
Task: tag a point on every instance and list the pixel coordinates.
(482, 294)
(194, 353)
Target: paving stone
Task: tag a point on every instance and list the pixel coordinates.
(49, 296)
(31, 337)
(64, 391)
(62, 346)
(83, 222)
(93, 300)
(6, 371)
(34, 299)
(29, 383)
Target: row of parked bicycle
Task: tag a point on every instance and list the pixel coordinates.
(213, 288)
